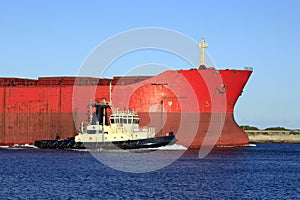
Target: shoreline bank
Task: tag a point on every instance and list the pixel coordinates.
(262, 136)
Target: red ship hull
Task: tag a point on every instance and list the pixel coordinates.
(197, 105)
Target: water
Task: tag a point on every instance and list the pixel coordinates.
(267, 171)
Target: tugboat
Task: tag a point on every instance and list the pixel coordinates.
(120, 131)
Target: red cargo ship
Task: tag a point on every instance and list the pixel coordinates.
(196, 104)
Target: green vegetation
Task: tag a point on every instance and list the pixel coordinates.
(277, 129)
(294, 133)
(247, 127)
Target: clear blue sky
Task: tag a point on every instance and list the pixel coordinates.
(47, 38)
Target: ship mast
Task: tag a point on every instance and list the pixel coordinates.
(110, 93)
(202, 45)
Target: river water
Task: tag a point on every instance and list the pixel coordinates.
(265, 171)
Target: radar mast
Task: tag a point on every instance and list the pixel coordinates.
(202, 45)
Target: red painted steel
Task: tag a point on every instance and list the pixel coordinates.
(192, 103)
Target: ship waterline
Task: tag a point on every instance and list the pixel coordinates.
(189, 133)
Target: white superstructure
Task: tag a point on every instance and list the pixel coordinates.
(123, 126)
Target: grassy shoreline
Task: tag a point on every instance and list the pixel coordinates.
(273, 136)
